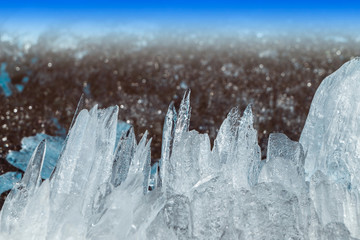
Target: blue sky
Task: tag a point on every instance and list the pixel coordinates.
(305, 12)
(216, 5)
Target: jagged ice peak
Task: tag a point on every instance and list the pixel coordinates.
(105, 188)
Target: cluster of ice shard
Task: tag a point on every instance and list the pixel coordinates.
(100, 186)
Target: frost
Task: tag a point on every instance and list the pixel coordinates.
(103, 186)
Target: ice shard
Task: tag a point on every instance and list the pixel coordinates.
(23, 192)
(167, 144)
(54, 146)
(124, 153)
(104, 186)
(20, 159)
(331, 133)
(183, 119)
(225, 140)
(237, 148)
(331, 141)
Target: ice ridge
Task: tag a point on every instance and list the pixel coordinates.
(100, 188)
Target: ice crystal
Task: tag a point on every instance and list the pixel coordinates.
(100, 188)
